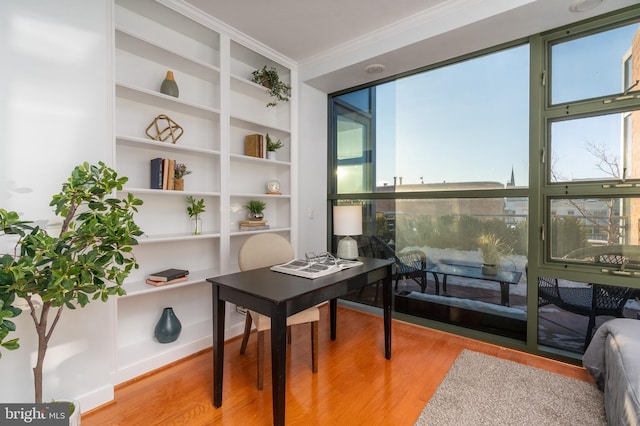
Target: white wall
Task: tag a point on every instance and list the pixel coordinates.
(312, 175)
(55, 112)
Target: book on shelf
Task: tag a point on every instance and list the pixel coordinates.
(253, 228)
(161, 283)
(315, 267)
(253, 145)
(162, 173)
(171, 174)
(156, 173)
(165, 173)
(253, 222)
(168, 274)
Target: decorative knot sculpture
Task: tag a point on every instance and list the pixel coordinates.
(164, 128)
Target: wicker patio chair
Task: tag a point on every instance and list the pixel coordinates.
(410, 264)
(590, 301)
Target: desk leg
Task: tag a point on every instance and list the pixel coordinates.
(278, 362)
(387, 297)
(333, 314)
(504, 294)
(218, 346)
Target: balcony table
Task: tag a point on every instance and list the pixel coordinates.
(505, 278)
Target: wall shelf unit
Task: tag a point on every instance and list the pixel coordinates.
(218, 105)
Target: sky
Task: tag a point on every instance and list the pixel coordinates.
(470, 121)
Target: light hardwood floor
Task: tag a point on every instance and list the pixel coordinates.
(355, 384)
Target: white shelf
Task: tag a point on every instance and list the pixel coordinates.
(167, 238)
(138, 45)
(169, 193)
(260, 195)
(263, 161)
(249, 88)
(261, 231)
(257, 125)
(138, 142)
(140, 288)
(146, 96)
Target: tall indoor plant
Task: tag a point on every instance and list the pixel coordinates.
(88, 260)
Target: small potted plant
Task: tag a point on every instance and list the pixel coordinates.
(195, 208)
(272, 147)
(256, 209)
(491, 250)
(180, 171)
(277, 89)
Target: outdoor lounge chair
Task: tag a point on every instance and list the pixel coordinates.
(410, 264)
(591, 301)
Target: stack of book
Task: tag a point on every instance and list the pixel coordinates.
(255, 146)
(253, 225)
(168, 276)
(162, 173)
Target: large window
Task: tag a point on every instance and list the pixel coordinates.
(446, 150)
(591, 211)
(445, 162)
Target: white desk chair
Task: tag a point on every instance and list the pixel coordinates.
(263, 250)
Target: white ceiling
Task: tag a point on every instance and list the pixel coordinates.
(300, 29)
(332, 41)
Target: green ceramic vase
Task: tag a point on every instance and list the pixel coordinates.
(169, 85)
(168, 327)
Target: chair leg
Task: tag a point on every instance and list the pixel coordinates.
(247, 331)
(260, 359)
(592, 323)
(314, 346)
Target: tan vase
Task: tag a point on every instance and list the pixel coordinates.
(178, 184)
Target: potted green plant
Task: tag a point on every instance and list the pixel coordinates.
(277, 89)
(256, 209)
(272, 147)
(88, 260)
(195, 209)
(491, 250)
(179, 172)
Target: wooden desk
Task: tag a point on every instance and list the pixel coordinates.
(278, 296)
(505, 278)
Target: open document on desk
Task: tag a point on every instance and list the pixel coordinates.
(315, 268)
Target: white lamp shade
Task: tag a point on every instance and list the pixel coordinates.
(347, 220)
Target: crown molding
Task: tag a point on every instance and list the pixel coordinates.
(442, 18)
(209, 21)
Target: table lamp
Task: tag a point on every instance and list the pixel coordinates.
(347, 221)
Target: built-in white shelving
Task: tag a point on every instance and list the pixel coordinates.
(209, 67)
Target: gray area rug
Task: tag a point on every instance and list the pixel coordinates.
(484, 390)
